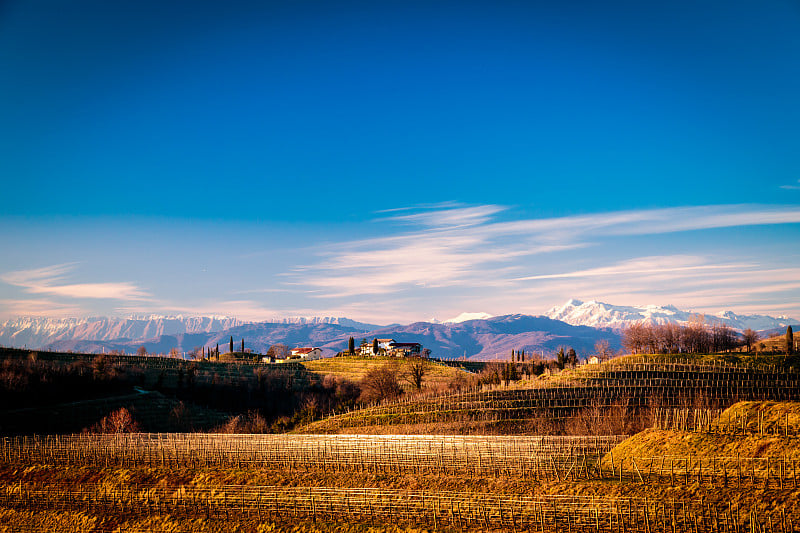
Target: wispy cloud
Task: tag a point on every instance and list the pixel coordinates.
(792, 187)
(692, 282)
(662, 266)
(49, 280)
(468, 246)
(451, 218)
(36, 307)
(438, 205)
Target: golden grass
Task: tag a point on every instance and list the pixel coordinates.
(754, 498)
(355, 368)
(79, 522)
(655, 442)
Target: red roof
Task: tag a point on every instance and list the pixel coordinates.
(302, 350)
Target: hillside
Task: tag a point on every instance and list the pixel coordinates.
(535, 457)
(437, 376)
(751, 429)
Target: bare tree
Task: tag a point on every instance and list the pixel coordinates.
(142, 350)
(695, 335)
(722, 337)
(278, 351)
(634, 337)
(416, 372)
(602, 349)
(669, 338)
(750, 338)
(380, 383)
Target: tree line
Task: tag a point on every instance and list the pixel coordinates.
(697, 336)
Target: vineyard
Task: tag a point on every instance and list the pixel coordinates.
(557, 458)
(720, 455)
(519, 456)
(377, 506)
(637, 387)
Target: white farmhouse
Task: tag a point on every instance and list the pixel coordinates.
(306, 353)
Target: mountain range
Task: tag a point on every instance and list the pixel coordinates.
(602, 315)
(478, 336)
(37, 332)
(485, 339)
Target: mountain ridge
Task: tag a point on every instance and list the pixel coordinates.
(488, 339)
(37, 332)
(472, 335)
(603, 315)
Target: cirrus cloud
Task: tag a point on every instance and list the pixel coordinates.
(49, 280)
(468, 246)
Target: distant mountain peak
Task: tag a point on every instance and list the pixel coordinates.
(339, 321)
(463, 317)
(603, 315)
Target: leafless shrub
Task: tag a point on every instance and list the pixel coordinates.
(251, 422)
(379, 384)
(119, 421)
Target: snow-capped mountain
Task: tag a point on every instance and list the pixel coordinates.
(602, 315)
(35, 332)
(479, 339)
(463, 317)
(337, 321)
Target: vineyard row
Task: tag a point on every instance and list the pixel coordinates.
(362, 505)
(531, 457)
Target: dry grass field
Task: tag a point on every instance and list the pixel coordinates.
(354, 368)
(704, 461)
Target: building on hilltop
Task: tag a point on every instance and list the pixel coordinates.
(384, 343)
(391, 348)
(404, 349)
(305, 353)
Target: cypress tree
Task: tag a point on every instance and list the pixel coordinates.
(375, 346)
(789, 340)
(572, 357)
(242, 345)
(217, 351)
(231, 350)
(351, 346)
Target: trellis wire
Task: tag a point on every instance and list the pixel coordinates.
(363, 505)
(526, 456)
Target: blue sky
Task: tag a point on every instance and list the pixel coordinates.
(396, 161)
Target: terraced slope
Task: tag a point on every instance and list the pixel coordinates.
(629, 390)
